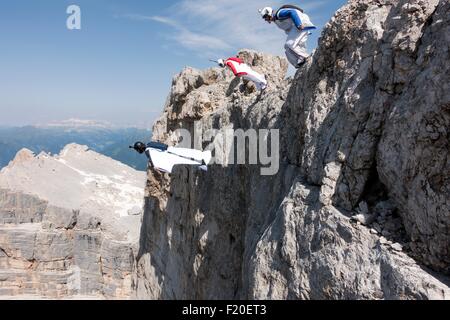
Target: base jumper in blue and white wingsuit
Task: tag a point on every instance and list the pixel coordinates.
(297, 26)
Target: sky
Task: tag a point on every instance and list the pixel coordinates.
(119, 66)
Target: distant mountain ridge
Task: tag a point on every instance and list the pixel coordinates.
(77, 124)
(106, 139)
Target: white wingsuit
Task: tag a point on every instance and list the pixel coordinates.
(165, 158)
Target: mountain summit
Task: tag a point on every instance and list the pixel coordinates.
(69, 225)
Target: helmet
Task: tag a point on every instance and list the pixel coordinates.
(139, 147)
(266, 12)
(221, 63)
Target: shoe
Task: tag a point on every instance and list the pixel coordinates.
(300, 64)
(264, 87)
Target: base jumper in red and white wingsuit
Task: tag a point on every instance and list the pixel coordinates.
(240, 69)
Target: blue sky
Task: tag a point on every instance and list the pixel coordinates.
(119, 66)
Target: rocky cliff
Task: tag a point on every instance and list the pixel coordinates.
(69, 226)
(359, 208)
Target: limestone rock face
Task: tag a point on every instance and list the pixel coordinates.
(388, 103)
(420, 159)
(64, 228)
(359, 208)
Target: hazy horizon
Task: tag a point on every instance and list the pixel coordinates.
(96, 123)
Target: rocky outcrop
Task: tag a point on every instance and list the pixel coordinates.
(374, 108)
(68, 227)
(359, 208)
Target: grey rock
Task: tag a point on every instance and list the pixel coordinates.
(58, 218)
(385, 208)
(364, 219)
(397, 247)
(231, 233)
(363, 208)
(59, 246)
(135, 211)
(371, 108)
(17, 208)
(377, 227)
(386, 233)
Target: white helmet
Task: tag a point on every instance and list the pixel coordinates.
(267, 11)
(221, 63)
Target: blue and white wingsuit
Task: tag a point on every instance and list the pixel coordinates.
(297, 25)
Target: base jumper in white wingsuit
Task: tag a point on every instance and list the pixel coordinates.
(240, 69)
(164, 158)
(297, 25)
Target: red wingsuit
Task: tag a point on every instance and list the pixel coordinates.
(240, 69)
